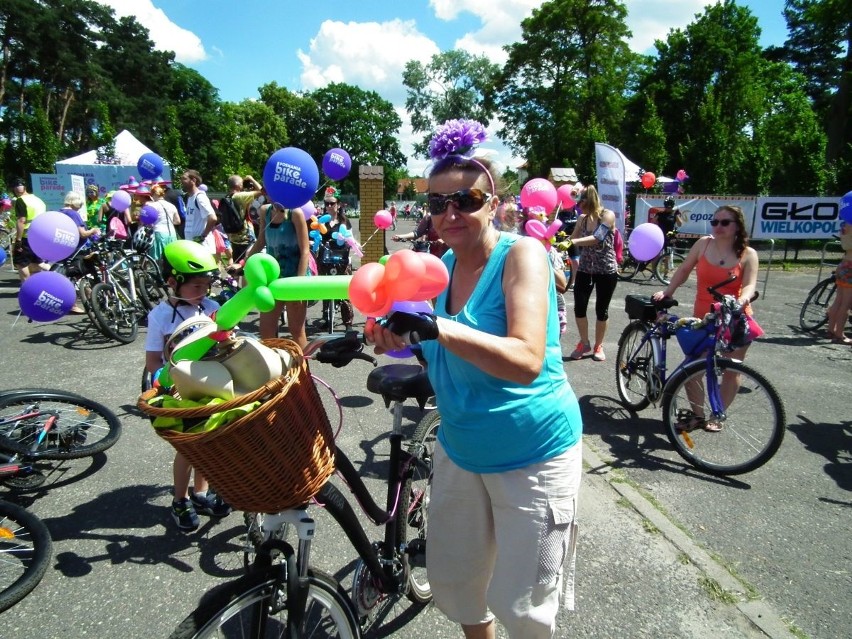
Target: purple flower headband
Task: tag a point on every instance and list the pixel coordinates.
(457, 139)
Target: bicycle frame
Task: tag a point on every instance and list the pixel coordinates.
(110, 275)
(339, 507)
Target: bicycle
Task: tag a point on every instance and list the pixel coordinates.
(747, 436)
(116, 301)
(333, 260)
(814, 313)
(661, 267)
(25, 552)
(40, 423)
(294, 596)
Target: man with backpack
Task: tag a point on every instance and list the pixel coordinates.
(233, 213)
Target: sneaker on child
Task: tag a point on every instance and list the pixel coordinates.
(209, 504)
(184, 515)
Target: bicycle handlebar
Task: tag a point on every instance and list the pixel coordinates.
(338, 349)
(719, 297)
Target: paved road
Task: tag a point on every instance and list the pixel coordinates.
(653, 535)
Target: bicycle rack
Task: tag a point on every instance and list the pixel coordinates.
(768, 265)
(822, 261)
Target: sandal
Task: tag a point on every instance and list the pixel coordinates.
(687, 421)
(712, 426)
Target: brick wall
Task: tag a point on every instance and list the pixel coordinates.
(371, 184)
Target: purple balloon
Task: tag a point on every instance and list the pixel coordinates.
(646, 241)
(148, 215)
(120, 201)
(408, 307)
(291, 177)
(309, 209)
(150, 166)
(46, 296)
(336, 164)
(202, 187)
(53, 236)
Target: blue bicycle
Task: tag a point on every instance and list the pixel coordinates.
(721, 415)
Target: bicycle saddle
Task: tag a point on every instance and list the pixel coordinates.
(398, 382)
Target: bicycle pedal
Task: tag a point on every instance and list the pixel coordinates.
(416, 552)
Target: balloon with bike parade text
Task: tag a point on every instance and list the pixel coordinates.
(120, 201)
(336, 164)
(846, 208)
(53, 236)
(148, 215)
(648, 179)
(46, 296)
(291, 177)
(539, 192)
(150, 166)
(646, 242)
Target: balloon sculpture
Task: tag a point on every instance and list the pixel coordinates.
(542, 232)
(344, 236)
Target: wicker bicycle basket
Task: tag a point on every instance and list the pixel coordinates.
(274, 458)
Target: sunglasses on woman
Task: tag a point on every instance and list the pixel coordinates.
(722, 222)
(465, 201)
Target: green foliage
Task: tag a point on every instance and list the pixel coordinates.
(455, 84)
(559, 90)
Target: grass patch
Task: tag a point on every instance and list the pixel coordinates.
(715, 591)
(649, 527)
(683, 559)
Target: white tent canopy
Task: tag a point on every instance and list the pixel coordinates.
(109, 177)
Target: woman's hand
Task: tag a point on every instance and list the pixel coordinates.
(659, 295)
(381, 338)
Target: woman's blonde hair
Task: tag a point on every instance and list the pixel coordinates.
(591, 201)
(158, 190)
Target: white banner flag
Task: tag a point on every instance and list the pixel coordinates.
(610, 163)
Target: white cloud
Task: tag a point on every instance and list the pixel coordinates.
(165, 34)
(643, 19)
(370, 55)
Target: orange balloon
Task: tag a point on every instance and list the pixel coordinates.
(367, 291)
(435, 278)
(404, 271)
(648, 179)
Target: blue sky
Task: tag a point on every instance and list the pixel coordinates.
(239, 46)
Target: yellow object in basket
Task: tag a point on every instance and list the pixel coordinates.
(211, 423)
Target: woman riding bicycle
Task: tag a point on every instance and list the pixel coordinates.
(717, 257)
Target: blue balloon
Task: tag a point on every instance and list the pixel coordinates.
(46, 296)
(3, 257)
(846, 208)
(150, 166)
(291, 177)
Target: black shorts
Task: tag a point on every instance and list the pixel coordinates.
(25, 256)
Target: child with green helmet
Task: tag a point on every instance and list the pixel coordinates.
(188, 269)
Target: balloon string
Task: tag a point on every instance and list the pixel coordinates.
(364, 243)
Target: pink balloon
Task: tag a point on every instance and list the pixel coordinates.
(536, 229)
(646, 241)
(681, 175)
(383, 219)
(563, 195)
(539, 192)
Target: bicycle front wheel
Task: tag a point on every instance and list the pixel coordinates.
(415, 505)
(117, 320)
(814, 313)
(628, 267)
(80, 427)
(25, 550)
(634, 367)
(753, 427)
(666, 265)
(256, 606)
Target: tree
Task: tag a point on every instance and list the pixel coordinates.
(561, 88)
(453, 85)
(819, 46)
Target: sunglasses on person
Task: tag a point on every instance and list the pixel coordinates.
(715, 223)
(465, 201)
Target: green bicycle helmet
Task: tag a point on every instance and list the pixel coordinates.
(183, 259)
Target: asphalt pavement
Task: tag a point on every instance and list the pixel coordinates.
(664, 551)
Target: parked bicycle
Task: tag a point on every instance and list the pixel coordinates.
(25, 551)
(293, 599)
(733, 435)
(661, 267)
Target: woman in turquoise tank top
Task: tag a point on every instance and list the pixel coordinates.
(284, 235)
(507, 467)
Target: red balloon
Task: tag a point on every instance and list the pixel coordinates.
(404, 271)
(367, 291)
(435, 278)
(648, 179)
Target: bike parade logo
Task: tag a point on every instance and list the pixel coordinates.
(50, 303)
(145, 165)
(61, 237)
(291, 174)
(337, 159)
